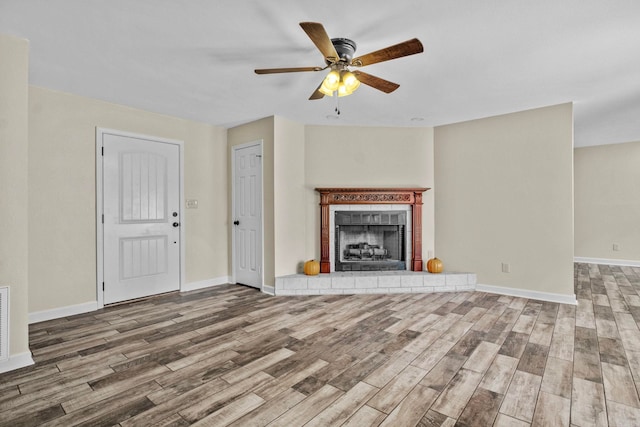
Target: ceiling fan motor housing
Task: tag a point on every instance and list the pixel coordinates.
(345, 49)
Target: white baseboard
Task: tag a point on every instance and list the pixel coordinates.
(271, 290)
(525, 293)
(620, 262)
(16, 361)
(216, 281)
(56, 313)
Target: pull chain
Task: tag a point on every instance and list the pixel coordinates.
(337, 109)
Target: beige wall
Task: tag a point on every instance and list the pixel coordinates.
(289, 197)
(62, 196)
(607, 201)
(283, 187)
(504, 194)
(205, 179)
(255, 131)
(14, 186)
(349, 156)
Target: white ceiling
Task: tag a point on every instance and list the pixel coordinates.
(195, 58)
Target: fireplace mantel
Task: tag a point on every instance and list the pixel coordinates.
(366, 196)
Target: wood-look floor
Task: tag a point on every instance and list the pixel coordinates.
(233, 356)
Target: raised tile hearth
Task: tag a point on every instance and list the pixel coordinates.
(374, 282)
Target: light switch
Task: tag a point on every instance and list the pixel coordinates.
(192, 204)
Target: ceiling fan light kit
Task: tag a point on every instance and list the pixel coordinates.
(341, 83)
(338, 55)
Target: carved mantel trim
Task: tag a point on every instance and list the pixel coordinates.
(366, 196)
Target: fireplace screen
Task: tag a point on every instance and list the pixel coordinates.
(370, 240)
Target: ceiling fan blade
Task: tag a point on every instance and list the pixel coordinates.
(317, 94)
(286, 70)
(376, 82)
(320, 38)
(410, 47)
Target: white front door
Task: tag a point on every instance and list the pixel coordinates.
(248, 215)
(141, 203)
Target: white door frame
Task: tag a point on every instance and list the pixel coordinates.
(235, 148)
(100, 132)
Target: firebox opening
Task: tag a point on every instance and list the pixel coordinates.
(370, 240)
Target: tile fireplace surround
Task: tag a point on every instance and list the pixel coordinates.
(369, 196)
(399, 281)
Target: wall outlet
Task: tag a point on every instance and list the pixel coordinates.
(506, 268)
(616, 247)
(192, 204)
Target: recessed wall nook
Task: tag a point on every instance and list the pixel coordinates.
(371, 242)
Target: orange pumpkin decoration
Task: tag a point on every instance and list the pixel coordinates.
(311, 267)
(434, 265)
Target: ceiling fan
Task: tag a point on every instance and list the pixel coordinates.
(338, 56)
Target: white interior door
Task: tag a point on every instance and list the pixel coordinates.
(141, 204)
(248, 215)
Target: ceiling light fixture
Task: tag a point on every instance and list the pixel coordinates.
(340, 82)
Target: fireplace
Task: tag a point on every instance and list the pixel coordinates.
(381, 229)
(370, 240)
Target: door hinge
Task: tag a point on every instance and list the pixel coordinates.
(102, 286)
(103, 218)
(103, 151)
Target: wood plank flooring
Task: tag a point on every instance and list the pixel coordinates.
(230, 355)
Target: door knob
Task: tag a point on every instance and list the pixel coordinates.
(236, 222)
(176, 224)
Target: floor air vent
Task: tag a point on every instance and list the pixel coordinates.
(4, 323)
